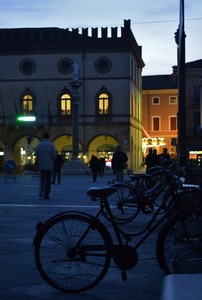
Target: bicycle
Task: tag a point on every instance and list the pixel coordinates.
(73, 250)
(138, 194)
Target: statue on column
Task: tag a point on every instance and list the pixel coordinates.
(75, 71)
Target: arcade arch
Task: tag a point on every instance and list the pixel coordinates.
(63, 145)
(24, 152)
(103, 146)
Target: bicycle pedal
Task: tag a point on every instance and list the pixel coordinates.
(124, 275)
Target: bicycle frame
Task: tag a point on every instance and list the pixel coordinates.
(151, 226)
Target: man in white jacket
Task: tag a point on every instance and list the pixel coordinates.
(45, 155)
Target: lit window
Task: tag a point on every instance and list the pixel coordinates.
(65, 105)
(155, 100)
(173, 100)
(103, 104)
(27, 103)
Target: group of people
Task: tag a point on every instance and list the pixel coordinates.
(97, 166)
(119, 161)
(49, 163)
(154, 159)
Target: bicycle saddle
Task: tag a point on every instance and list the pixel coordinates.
(101, 192)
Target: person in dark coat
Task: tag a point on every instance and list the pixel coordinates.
(119, 161)
(165, 158)
(94, 166)
(45, 156)
(150, 159)
(57, 168)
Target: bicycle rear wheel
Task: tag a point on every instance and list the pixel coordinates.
(124, 203)
(72, 252)
(179, 245)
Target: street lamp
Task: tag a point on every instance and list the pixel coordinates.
(180, 40)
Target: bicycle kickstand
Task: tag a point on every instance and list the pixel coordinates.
(124, 275)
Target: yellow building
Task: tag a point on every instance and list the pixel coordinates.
(36, 68)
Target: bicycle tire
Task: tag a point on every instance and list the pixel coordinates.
(123, 203)
(65, 266)
(178, 250)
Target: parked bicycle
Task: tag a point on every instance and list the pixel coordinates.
(73, 250)
(139, 194)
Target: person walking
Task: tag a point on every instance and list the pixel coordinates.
(94, 166)
(164, 158)
(151, 159)
(102, 166)
(119, 160)
(57, 168)
(45, 155)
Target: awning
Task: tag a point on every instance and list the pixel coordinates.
(145, 134)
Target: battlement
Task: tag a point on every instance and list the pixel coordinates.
(53, 39)
(53, 33)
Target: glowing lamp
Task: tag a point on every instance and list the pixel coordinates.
(26, 118)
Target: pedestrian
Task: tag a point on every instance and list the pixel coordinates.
(94, 166)
(164, 158)
(45, 155)
(57, 168)
(119, 160)
(151, 159)
(156, 157)
(102, 166)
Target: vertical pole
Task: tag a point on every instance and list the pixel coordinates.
(75, 124)
(182, 153)
(75, 118)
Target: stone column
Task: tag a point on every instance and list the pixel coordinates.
(75, 165)
(75, 117)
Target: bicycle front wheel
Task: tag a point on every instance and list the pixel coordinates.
(179, 245)
(72, 252)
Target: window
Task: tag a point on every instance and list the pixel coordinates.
(196, 122)
(156, 123)
(27, 103)
(103, 104)
(65, 105)
(27, 66)
(155, 100)
(173, 123)
(196, 94)
(173, 100)
(65, 65)
(103, 65)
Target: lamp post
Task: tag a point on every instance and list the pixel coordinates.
(180, 40)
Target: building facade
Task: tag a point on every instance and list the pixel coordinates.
(35, 74)
(194, 109)
(159, 117)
